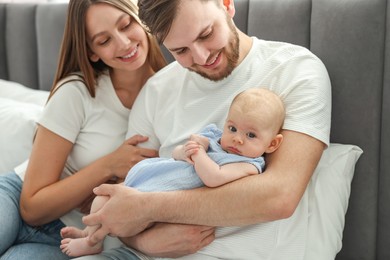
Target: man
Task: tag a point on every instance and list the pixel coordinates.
(215, 61)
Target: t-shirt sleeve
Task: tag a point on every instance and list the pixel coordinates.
(304, 86)
(64, 112)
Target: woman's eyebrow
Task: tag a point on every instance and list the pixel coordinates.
(116, 23)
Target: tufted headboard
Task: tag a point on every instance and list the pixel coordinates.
(352, 37)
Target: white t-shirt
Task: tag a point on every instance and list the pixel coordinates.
(96, 126)
(177, 102)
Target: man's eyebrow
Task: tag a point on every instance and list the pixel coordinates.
(175, 49)
(199, 36)
(116, 23)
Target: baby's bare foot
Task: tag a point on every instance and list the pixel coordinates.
(79, 247)
(72, 232)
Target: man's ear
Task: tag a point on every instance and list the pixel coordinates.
(229, 5)
(275, 143)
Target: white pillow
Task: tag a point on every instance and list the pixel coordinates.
(329, 191)
(17, 127)
(18, 92)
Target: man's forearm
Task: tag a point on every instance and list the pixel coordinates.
(236, 203)
(269, 196)
(171, 240)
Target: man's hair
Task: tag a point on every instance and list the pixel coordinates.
(158, 15)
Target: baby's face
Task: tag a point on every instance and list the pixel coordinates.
(245, 135)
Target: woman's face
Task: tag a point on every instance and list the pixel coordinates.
(115, 38)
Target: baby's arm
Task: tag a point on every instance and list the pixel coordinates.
(214, 175)
(185, 152)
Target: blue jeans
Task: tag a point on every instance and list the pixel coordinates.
(18, 240)
(120, 253)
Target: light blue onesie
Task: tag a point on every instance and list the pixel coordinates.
(167, 174)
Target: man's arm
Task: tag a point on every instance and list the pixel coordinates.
(269, 196)
(171, 240)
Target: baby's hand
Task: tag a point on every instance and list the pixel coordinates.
(190, 148)
(201, 140)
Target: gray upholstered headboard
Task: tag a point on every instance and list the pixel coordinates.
(350, 36)
(29, 42)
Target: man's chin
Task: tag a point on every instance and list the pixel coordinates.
(213, 76)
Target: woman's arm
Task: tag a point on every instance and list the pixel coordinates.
(45, 197)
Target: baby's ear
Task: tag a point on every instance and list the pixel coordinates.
(275, 143)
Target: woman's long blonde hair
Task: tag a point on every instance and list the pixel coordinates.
(74, 56)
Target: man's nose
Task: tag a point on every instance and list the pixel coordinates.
(200, 54)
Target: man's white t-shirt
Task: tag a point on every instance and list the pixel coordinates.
(177, 102)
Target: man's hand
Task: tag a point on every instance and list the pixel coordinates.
(171, 240)
(120, 216)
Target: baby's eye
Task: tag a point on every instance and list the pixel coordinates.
(232, 129)
(251, 135)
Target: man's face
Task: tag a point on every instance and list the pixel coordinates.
(203, 39)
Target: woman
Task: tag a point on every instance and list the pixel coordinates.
(106, 57)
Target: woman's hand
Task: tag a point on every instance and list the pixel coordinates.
(127, 155)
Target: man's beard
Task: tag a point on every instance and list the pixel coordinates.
(232, 54)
